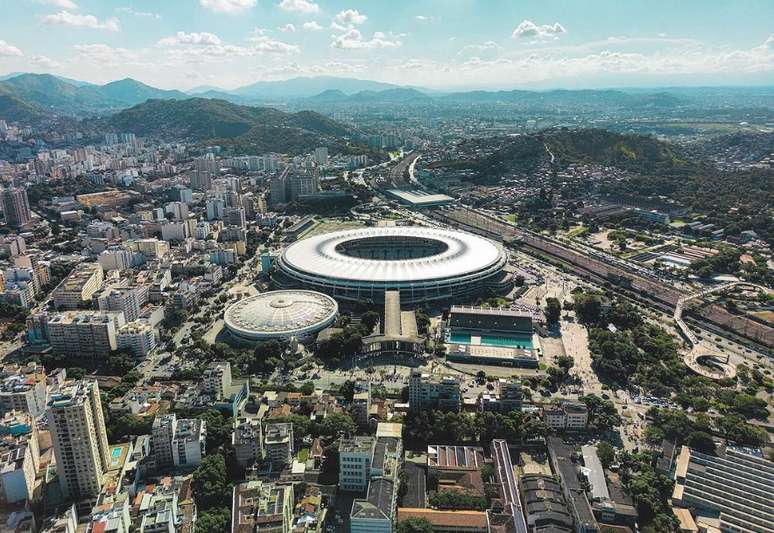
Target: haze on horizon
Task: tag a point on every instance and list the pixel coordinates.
(440, 44)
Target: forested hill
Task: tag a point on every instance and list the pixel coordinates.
(262, 129)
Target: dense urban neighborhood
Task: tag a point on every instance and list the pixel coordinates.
(379, 309)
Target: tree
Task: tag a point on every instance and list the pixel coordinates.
(606, 454)
(565, 362)
(218, 519)
(211, 486)
(588, 307)
(337, 423)
(414, 525)
(423, 322)
(701, 442)
(120, 362)
(369, 320)
(750, 406)
(347, 389)
(553, 310)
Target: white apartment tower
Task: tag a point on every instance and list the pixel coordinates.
(79, 437)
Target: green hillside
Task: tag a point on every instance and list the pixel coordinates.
(252, 129)
(63, 97)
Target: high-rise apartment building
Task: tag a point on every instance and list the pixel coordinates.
(16, 207)
(432, 392)
(78, 433)
(278, 444)
(128, 300)
(79, 286)
(201, 180)
(84, 334)
(162, 433)
(247, 441)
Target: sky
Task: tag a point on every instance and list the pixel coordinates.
(440, 44)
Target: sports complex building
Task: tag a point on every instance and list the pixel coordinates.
(424, 264)
(491, 337)
(280, 315)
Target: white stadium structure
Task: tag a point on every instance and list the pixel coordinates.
(424, 264)
(280, 315)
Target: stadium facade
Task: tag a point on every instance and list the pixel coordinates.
(424, 264)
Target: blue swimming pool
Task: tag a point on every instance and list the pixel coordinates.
(509, 341)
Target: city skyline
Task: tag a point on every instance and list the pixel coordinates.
(184, 44)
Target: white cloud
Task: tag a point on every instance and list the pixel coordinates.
(287, 28)
(7, 49)
(352, 39)
(227, 6)
(299, 6)
(182, 38)
(102, 54)
(265, 44)
(528, 29)
(350, 17)
(312, 26)
(64, 4)
(143, 14)
(424, 18)
(45, 62)
(65, 18)
(485, 46)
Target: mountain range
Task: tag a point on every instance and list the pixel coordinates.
(28, 97)
(255, 129)
(44, 93)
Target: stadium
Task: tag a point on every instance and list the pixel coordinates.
(424, 264)
(280, 315)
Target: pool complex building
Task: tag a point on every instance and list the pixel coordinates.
(487, 336)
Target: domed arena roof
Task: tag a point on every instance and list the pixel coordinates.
(280, 314)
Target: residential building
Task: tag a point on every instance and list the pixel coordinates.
(16, 207)
(162, 433)
(361, 403)
(201, 180)
(506, 397)
(128, 300)
(355, 456)
(278, 444)
(79, 437)
(23, 388)
(247, 441)
(67, 522)
(188, 442)
(570, 416)
(217, 379)
(17, 473)
(432, 392)
(376, 513)
(110, 514)
(84, 334)
(78, 287)
(116, 258)
(138, 338)
(262, 507)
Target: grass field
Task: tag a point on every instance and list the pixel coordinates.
(577, 231)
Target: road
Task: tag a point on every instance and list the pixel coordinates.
(401, 170)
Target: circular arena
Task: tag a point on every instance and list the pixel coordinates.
(425, 264)
(280, 315)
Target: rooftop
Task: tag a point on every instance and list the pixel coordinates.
(285, 312)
